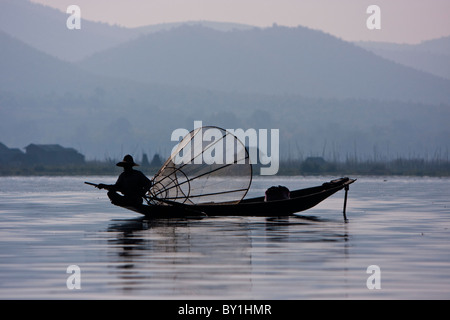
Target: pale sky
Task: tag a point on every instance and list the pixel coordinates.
(402, 21)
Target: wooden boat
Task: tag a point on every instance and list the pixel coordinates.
(300, 200)
(194, 183)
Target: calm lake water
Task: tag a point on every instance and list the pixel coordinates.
(401, 225)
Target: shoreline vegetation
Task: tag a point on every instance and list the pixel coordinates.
(309, 166)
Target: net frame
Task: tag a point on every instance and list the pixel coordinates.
(180, 181)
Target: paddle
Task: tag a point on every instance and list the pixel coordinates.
(92, 184)
(105, 186)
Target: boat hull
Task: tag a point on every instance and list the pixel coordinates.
(300, 200)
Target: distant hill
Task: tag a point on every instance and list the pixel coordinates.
(44, 100)
(215, 25)
(45, 29)
(131, 95)
(47, 100)
(25, 69)
(432, 56)
(276, 60)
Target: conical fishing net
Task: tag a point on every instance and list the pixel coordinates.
(210, 165)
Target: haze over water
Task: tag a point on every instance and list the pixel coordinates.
(399, 224)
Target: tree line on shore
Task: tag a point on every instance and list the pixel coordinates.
(308, 166)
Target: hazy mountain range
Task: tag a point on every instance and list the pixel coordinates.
(276, 60)
(44, 28)
(106, 90)
(431, 56)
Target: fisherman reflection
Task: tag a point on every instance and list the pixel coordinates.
(133, 184)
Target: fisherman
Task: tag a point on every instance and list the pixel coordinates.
(133, 184)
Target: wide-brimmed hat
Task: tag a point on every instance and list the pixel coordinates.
(127, 161)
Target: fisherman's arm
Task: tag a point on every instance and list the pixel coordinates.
(148, 183)
(112, 187)
(145, 182)
(109, 187)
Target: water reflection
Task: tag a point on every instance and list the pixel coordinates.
(213, 257)
(402, 226)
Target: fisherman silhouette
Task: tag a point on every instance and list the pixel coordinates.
(133, 184)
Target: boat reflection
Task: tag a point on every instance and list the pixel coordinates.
(207, 257)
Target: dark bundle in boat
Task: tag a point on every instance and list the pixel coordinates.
(277, 193)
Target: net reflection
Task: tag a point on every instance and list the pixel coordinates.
(177, 257)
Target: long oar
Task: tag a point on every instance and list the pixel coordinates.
(92, 184)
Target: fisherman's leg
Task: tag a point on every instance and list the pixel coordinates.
(132, 201)
(116, 198)
(124, 201)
